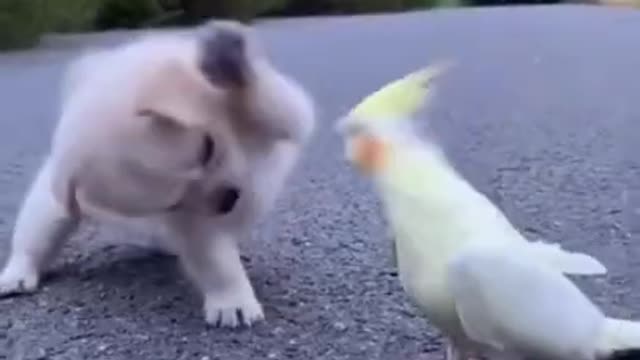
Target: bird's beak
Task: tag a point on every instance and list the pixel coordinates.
(368, 153)
(365, 151)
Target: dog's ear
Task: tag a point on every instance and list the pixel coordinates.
(228, 50)
(272, 103)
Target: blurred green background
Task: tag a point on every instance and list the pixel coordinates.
(22, 22)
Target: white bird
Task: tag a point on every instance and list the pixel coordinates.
(461, 262)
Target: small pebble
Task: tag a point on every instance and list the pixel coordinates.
(340, 326)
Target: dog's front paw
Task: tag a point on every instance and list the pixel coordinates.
(18, 280)
(230, 308)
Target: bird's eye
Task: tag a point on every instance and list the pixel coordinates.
(207, 151)
(349, 128)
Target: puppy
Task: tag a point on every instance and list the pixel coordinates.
(196, 132)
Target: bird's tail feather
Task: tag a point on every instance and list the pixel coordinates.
(565, 261)
(620, 340)
(628, 354)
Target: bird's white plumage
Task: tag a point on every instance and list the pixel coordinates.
(514, 301)
(470, 271)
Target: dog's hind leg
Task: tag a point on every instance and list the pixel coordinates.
(42, 225)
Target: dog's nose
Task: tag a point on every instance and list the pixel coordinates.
(224, 55)
(224, 200)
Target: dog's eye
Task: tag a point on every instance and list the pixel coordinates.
(208, 148)
(161, 122)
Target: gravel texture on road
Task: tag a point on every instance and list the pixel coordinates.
(542, 114)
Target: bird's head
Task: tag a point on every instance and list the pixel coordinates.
(383, 117)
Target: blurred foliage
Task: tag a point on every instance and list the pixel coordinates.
(243, 10)
(20, 23)
(23, 21)
(127, 14)
(170, 5)
(68, 15)
(316, 7)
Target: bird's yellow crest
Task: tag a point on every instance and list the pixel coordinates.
(400, 98)
(397, 100)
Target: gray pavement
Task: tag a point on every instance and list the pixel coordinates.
(542, 113)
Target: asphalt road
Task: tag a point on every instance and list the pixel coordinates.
(541, 114)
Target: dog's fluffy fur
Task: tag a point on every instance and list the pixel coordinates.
(162, 128)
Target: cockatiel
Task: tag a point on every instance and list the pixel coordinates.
(461, 262)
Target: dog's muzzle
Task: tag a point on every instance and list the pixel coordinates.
(221, 201)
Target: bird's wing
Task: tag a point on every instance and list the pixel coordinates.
(513, 301)
(568, 262)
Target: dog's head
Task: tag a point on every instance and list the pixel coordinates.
(142, 122)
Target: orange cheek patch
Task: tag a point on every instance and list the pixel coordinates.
(369, 153)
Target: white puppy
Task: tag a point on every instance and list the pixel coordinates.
(197, 132)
